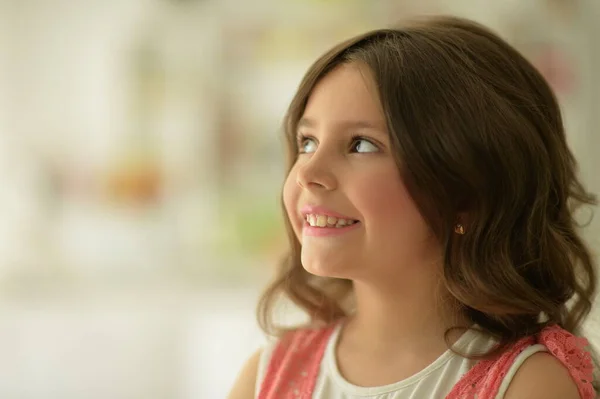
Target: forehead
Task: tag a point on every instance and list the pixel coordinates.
(346, 94)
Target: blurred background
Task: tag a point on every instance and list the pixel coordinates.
(140, 168)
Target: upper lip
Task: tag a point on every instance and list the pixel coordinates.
(321, 210)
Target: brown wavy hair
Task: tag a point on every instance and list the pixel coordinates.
(475, 129)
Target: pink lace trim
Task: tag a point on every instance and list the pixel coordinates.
(294, 366)
(484, 379)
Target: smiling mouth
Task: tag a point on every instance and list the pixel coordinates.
(325, 221)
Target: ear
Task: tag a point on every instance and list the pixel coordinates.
(464, 218)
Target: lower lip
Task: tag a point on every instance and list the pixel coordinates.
(309, 230)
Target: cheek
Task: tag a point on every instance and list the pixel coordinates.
(389, 208)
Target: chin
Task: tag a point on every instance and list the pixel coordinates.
(328, 269)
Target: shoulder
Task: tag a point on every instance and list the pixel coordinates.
(245, 384)
(542, 376)
(253, 372)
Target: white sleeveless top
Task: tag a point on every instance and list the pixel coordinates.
(434, 381)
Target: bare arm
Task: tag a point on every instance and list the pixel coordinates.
(245, 383)
(542, 377)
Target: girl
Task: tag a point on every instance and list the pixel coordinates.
(429, 205)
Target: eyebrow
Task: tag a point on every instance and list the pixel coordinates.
(345, 124)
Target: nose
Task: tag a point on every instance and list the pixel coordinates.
(316, 173)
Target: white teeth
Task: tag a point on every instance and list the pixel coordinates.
(328, 221)
(321, 221)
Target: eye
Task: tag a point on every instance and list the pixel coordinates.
(306, 145)
(362, 145)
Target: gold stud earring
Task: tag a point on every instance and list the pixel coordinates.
(459, 229)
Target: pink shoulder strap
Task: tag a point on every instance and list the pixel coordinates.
(484, 379)
(294, 366)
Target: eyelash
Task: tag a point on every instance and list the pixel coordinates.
(302, 138)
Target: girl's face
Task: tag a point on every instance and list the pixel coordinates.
(344, 195)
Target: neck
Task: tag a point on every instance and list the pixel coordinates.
(403, 317)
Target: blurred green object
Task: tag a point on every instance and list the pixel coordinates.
(249, 226)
